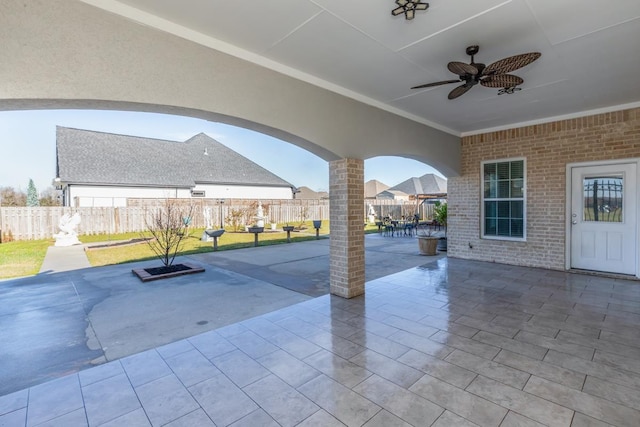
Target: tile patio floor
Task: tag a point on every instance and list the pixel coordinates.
(460, 343)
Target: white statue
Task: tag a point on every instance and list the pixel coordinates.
(260, 216)
(68, 235)
(206, 212)
(208, 224)
(372, 214)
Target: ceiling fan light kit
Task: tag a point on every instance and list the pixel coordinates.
(409, 7)
(508, 90)
(494, 75)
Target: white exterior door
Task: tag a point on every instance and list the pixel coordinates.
(603, 218)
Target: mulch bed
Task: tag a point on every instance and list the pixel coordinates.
(165, 272)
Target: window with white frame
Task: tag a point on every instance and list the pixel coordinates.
(503, 199)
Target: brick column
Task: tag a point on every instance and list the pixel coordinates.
(346, 251)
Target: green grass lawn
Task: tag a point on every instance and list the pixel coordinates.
(24, 258)
(194, 245)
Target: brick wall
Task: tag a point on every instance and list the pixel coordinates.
(548, 148)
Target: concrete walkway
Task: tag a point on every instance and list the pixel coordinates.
(64, 258)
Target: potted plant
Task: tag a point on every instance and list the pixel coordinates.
(427, 242)
(440, 215)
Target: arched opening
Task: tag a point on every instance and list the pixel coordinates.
(32, 147)
(31, 134)
(33, 152)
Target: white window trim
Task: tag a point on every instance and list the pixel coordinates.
(524, 201)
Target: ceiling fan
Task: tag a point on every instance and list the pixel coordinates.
(492, 75)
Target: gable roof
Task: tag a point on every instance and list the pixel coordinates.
(426, 184)
(373, 187)
(307, 193)
(90, 157)
(392, 194)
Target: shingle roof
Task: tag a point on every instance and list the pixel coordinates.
(396, 194)
(373, 187)
(89, 157)
(307, 193)
(426, 184)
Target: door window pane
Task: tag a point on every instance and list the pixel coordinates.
(602, 198)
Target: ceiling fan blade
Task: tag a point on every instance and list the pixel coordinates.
(462, 69)
(511, 63)
(445, 82)
(460, 90)
(501, 80)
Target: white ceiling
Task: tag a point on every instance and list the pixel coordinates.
(590, 51)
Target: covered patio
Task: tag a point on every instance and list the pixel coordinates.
(457, 343)
(503, 332)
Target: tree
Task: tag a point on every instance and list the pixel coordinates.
(50, 197)
(168, 227)
(440, 213)
(32, 194)
(235, 218)
(11, 197)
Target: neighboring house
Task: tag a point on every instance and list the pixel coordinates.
(373, 187)
(428, 186)
(392, 195)
(305, 193)
(105, 169)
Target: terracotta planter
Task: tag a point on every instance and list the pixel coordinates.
(428, 245)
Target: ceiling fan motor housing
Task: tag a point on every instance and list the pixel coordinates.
(494, 75)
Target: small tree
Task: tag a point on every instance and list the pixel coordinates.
(168, 228)
(235, 218)
(32, 194)
(440, 214)
(303, 215)
(249, 213)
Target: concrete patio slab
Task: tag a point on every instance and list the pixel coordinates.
(62, 322)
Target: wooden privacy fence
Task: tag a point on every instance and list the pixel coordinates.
(31, 223)
(23, 223)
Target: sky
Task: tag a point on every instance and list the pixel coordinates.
(28, 146)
